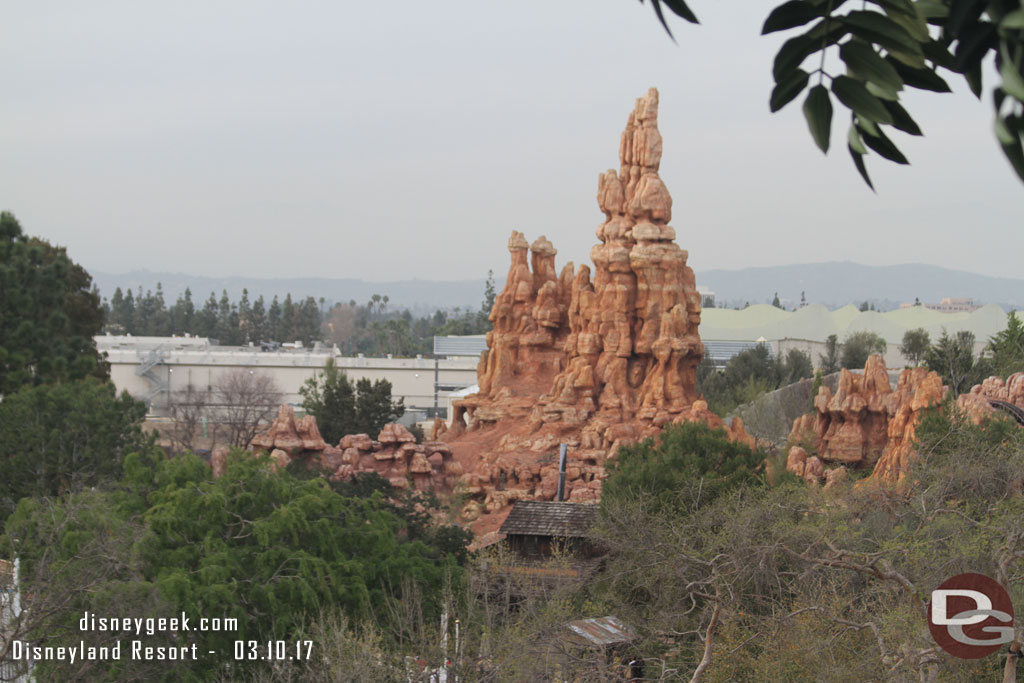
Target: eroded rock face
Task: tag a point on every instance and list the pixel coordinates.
(865, 423)
(976, 403)
(288, 435)
(594, 357)
(394, 454)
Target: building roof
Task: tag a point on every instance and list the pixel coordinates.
(816, 323)
(603, 631)
(550, 518)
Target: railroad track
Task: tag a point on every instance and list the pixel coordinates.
(1015, 412)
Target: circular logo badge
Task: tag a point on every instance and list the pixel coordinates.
(971, 616)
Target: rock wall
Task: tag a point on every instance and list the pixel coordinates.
(394, 454)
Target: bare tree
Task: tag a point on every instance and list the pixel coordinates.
(244, 399)
(188, 407)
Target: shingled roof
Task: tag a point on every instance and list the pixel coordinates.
(550, 518)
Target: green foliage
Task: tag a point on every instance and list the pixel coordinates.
(269, 549)
(686, 468)
(915, 345)
(952, 356)
(340, 408)
(829, 361)
(858, 346)
(63, 437)
(823, 585)
(48, 314)
(887, 48)
(748, 375)
(1007, 347)
(230, 322)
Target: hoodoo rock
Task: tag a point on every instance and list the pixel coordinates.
(866, 423)
(594, 357)
(289, 435)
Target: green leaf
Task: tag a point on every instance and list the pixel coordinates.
(902, 6)
(877, 28)
(922, 79)
(1013, 150)
(854, 95)
(866, 62)
(818, 112)
(1013, 20)
(932, 9)
(974, 43)
(937, 52)
(911, 60)
(858, 161)
(885, 147)
(792, 53)
(786, 92)
(973, 77)
(795, 50)
(901, 119)
(1003, 133)
(1013, 84)
(963, 13)
(914, 23)
(881, 92)
(790, 15)
(854, 141)
(681, 10)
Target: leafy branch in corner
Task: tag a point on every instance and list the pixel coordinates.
(887, 46)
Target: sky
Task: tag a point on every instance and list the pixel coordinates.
(400, 140)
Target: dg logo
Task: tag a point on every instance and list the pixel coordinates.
(971, 616)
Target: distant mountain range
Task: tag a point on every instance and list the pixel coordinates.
(834, 284)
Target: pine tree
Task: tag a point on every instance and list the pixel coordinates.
(274, 327)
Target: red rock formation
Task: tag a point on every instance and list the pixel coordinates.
(976, 403)
(866, 423)
(916, 390)
(288, 435)
(850, 426)
(395, 455)
(594, 358)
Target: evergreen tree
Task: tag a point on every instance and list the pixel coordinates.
(48, 313)
(274, 323)
(775, 301)
(331, 399)
(288, 331)
(374, 407)
(1007, 347)
(183, 314)
(258, 326)
(245, 330)
(206, 319)
(953, 358)
(829, 361)
(60, 437)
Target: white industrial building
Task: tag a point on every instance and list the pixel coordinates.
(153, 368)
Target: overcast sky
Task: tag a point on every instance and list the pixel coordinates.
(399, 140)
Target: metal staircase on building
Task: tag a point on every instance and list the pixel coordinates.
(146, 369)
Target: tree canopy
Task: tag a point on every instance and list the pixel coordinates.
(341, 408)
(48, 313)
(56, 438)
(885, 47)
